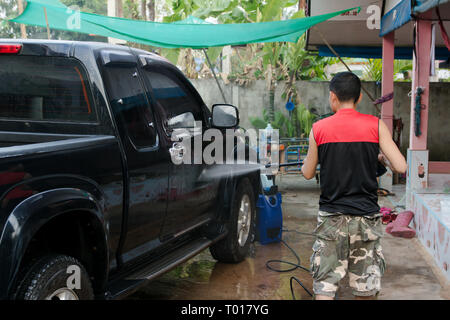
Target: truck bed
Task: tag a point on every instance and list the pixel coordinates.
(10, 139)
(18, 143)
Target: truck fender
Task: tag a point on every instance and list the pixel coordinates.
(32, 214)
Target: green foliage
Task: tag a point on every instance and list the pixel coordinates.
(247, 65)
(305, 118)
(214, 53)
(258, 123)
(131, 10)
(279, 61)
(279, 121)
(298, 124)
(373, 71)
(403, 66)
(91, 6)
(201, 9)
(232, 11)
(171, 54)
(198, 8)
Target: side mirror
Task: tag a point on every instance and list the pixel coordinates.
(224, 116)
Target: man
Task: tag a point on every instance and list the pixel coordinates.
(347, 146)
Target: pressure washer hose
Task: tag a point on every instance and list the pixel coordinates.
(294, 266)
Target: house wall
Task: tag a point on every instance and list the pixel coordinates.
(251, 101)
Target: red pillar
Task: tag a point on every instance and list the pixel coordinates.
(417, 153)
(387, 85)
(421, 78)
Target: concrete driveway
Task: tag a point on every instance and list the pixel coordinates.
(410, 273)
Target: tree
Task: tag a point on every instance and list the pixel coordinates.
(144, 9)
(23, 30)
(151, 6)
(131, 10)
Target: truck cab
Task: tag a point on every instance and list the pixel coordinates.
(87, 177)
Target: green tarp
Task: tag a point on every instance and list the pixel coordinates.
(167, 35)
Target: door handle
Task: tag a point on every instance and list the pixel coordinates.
(177, 152)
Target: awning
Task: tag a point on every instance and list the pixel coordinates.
(396, 17)
(402, 13)
(425, 5)
(441, 53)
(168, 35)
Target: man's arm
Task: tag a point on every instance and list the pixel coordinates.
(312, 158)
(396, 160)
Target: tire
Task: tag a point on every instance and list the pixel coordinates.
(47, 278)
(235, 247)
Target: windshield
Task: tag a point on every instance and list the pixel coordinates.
(44, 88)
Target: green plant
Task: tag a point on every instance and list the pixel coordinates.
(298, 124)
(260, 123)
(373, 70)
(305, 118)
(281, 61)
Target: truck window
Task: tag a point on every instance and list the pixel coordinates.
(44, 88)
(175, 102)
(129, 102)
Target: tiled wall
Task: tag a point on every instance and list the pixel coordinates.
(432, 227)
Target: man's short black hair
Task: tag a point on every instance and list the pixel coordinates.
(346, 86)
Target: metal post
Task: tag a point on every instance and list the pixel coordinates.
(23, 30)
(214, 73)
(46, 21)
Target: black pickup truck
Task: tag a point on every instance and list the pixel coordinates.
(92, 204)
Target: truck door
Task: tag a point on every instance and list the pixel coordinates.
(191, 200)
(148, 164)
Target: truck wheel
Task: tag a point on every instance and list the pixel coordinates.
(235, 246)
(50, 277)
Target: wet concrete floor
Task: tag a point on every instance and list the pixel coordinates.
(410, 272)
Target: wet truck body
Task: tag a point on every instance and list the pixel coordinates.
(86, 175)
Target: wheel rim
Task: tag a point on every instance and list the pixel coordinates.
(63, 294)
(244, 220)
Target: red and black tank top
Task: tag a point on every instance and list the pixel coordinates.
(348, 144)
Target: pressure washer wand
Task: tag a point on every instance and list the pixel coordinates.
(284, 164)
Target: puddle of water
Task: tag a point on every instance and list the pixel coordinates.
(204, 278)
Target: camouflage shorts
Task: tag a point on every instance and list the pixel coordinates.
(347, 243)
